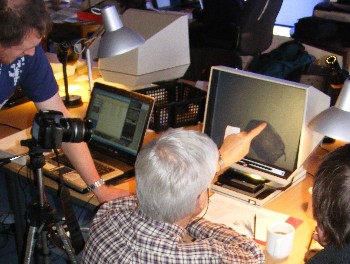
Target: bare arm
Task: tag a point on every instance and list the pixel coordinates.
(79, 155)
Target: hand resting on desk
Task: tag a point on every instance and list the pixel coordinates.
(110, 193)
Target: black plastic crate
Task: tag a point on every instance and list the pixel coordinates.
(176, 105)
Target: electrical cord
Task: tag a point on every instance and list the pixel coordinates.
(7, 231)
(13, 127)
(206, 209)
(84, 207)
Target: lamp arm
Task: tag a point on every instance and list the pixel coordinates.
(88, 44)
(89, 68)
(98, 33)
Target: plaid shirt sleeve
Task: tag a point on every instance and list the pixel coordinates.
(236, 245)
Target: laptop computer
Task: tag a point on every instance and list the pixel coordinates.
(120, 119)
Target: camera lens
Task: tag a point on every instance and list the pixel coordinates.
(76, 130)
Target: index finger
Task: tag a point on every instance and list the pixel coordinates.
(256, 131)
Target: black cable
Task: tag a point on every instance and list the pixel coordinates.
(84, 208)
(206, 209)
(16, 128)
(3, 220)
(77, 239)
(323, 148)
(5, 229)
(23, 184)
(283, 188)
(313, 175)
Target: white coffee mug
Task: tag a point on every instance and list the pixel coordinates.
(280, 237)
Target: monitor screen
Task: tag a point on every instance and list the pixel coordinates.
(119, 118)
(244, 100)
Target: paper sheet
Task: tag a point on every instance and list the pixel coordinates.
(234, 213)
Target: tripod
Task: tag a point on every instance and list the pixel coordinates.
(42, 216)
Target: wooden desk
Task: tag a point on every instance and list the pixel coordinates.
(292, 202)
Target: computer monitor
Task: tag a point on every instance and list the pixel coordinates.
(243, 99)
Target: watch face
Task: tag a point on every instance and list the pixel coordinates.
(96, 184)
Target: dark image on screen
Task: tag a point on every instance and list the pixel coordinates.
(244, 101)
(268, 146)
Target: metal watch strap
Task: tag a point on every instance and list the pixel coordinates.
(221, 162)
(95, 185)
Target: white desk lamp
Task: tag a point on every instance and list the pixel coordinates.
(116, 39)
(334, 122)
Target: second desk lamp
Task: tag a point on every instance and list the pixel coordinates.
(116, 39)
(334, 122)
(66, 56)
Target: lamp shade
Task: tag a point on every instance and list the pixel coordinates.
(334, 122)
(117, 39)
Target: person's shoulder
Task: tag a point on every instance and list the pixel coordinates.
(38, 56)
(122, 202)
(39, 52)
(331, 254)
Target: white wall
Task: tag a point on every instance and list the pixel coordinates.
(292, 10)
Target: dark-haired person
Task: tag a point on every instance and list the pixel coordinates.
(331, 208)
(23, 63)
(160, 224)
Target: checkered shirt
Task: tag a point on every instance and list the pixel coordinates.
(122, 233)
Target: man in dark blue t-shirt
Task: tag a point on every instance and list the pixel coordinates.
(33, 73)
(23, 63)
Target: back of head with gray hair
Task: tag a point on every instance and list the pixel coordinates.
(172, 171)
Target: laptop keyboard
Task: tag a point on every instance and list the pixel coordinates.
(63, 160)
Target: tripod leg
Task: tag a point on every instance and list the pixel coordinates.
(37, 240)
(66, 243)
(30, 245)
(43, 255)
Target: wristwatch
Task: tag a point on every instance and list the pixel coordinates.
(95, 185)
(221, 162)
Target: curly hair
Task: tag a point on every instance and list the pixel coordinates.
(18, 18)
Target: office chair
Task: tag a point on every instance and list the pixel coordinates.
(250, 36)
(255, 32)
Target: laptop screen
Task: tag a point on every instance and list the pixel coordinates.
(120, 119)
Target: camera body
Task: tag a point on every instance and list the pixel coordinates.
(50, 129)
